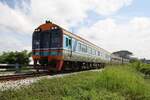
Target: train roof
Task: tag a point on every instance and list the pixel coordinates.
(48, 25)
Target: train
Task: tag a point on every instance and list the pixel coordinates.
(56, 49)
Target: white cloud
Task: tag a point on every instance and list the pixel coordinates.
(107, 7)
(108, 33)
(25, 17)
(67, 13)
(113, 35)
(13, 24)
(13, 20)
(64, 12)
(141, 23)
(9, 43)
(70, 12)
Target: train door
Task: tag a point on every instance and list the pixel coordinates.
(68, 45)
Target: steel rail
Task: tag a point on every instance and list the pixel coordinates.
(20, 76)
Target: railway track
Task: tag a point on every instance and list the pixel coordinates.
(31, 74)
(21, 76)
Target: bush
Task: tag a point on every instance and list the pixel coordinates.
(15, 57)
(136, 64)
(145, 69)
(141, 67)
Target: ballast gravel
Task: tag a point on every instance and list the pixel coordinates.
(25, 82)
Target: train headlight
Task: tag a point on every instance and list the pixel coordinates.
(37, 30)
(52, 28)
(55, 27)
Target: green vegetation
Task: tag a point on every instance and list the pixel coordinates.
(141, 67)
(113, 83)
(145, 68)
(15, 57)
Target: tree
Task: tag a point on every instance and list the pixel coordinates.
(15, 57)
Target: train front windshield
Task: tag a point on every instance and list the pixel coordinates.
(47, 39)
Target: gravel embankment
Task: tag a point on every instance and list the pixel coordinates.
(25, 82)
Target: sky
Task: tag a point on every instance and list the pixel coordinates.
(111, 24)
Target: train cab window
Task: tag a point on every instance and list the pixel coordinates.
(55, 38)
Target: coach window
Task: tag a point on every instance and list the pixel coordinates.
(90, 50)
(82, 48)
(79, 47)
(70, 42)
(98, 53)
(66, 42)
(95, 52)
(86, 48)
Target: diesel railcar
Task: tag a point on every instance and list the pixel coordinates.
(56, 49)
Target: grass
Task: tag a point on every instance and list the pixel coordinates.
(113, 83)
(126, 81)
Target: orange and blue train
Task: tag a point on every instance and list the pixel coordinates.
(56, 49)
